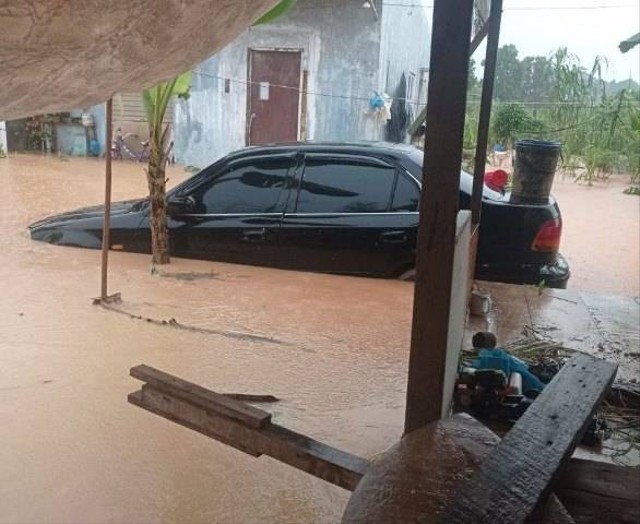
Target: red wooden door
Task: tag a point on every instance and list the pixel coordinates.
(274, 96)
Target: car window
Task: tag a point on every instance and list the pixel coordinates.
(406, 196)
(251, 187)
(344, 186)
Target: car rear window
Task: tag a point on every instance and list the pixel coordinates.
(406, 195)
(416, 156)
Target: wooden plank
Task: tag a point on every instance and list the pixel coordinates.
(137, 398)
(600, 492)
(479, 37)
(484, 118)
(415, 479)
(199, 396)
(517, 474)
(438, 210)
(584, 485)
(318, 459)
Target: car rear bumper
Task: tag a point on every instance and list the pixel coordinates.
(555, 275)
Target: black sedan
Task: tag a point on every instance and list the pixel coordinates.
(338, 208)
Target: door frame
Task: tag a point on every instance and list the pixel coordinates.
(247, 127)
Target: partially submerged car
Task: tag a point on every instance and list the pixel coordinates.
(337, 208)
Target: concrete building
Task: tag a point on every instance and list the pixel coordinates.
(313, 74)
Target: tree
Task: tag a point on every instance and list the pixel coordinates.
(508, 79)
(156, 100)
(537, 78)
(512, 121)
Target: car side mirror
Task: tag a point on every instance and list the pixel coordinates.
(180, 205)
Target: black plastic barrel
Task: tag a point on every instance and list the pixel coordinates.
(535, 167)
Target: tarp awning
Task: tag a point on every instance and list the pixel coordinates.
(56, 56)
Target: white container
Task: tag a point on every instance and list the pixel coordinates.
(87, 120)
(480, 304)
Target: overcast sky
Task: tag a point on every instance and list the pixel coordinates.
(587, 30)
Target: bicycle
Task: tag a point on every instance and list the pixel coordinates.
(119, 147)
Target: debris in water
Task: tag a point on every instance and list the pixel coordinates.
(245, 397)
(190, 276)
(116, 298)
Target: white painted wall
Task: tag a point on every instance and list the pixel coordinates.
(341, 50)
(349, 54)
(405, 44)
(458, 309)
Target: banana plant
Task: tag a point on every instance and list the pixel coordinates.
(156, 101)
(275, 12)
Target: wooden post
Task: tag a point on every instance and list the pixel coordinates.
(106, 225)
(438, 210)
(495, 17)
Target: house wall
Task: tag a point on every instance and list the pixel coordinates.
(404, 48)
(3, 136)
(340, 43)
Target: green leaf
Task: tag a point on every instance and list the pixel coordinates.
(156, 101)
(183, 84)
(276, 12)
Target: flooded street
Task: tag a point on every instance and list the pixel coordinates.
(72, 448)
(600, 238)
(333, 349)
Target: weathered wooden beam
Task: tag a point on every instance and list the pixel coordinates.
(588, 489)
(518, 473)
(495, 17)
(195, 410)
(478, 38)
(438, 210)
(205, 398)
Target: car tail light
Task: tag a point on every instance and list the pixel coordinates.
(548, 237)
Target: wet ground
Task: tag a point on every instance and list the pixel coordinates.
(334, 349)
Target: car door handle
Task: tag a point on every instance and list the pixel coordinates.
(254, 235)
(394, 237)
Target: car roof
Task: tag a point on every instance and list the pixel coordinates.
(363, 147)
(373, 148)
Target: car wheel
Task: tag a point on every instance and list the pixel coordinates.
(408, 276)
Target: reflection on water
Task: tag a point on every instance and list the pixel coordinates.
(73, 450)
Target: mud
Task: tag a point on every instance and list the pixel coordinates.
(332, 349)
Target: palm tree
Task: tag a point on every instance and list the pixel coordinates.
(156, 101)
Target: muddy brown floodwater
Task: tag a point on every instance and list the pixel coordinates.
(601, 235)
(73, 450)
